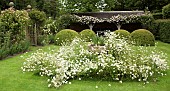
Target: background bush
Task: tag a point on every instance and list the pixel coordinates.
(146, 20)
(142, 37)
(87, 35)
(162, 27)
(157, 15)
(166, 11)
(12, 32)
(43, 40)
(123, 33)
(65, 36)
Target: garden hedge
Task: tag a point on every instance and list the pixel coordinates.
(166, 11)
(157, 15)
(163, 29)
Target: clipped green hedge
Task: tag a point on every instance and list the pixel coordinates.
(65, 37)
(157, 15)
(162, 27)
(122, 33)
(166, 11)
(87, 35)
(142, 37)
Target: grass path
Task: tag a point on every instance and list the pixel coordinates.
(12, 78)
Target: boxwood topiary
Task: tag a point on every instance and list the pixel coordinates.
(87, 35)
(65, 36)
(122, 33)
(142, 37)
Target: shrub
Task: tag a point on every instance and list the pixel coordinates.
(43, 40)
(4, 52)
(142, 37)
(157, 15)
(163, 30)
(64, 21)
(51, 38)
(87, 35)
(166, 11)
(51, 26)
(12, 32)
(119, 61)
(146, 20)
(154, 28)
(122, 33)
(65, 36)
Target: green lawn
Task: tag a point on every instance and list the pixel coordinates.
(12, 78)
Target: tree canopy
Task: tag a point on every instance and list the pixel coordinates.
(54, 8)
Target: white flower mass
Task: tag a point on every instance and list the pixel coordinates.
(120, 60)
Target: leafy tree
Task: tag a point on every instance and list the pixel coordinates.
(50, 7)
(110, 4)
(22, 4)
(38, 19)
(81, 5)
(4, 4)
(152, 5)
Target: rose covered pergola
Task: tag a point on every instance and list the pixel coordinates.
(118, 18)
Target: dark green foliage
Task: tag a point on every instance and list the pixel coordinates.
(146, 20)
(12, 32)
(142, 37)
(4, 52)
(157, 15)
(166, 11)
(87, 35)
(122, 33)
(38, 19)
(61, 23)
(163, 30)
(64, 21)
(51, 26)
(37, 16)
(81, 5)
(151, 5)
(65, 37)
(19, 47)
(43, 40)
(51, 38)
(50, 7)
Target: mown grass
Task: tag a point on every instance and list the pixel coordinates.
(12, 78)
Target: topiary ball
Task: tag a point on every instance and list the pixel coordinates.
(65, 37)
(122, 33)
(142, 37)
(87, 35)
